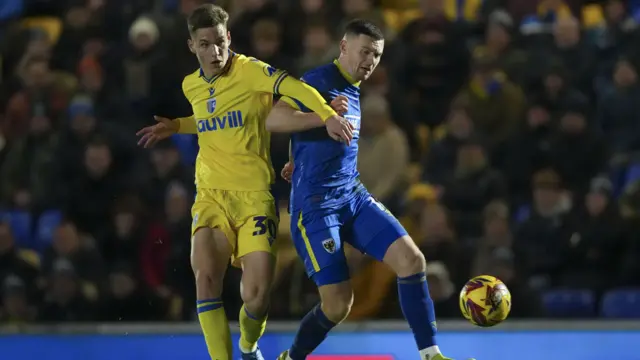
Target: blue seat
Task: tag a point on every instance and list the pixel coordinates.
(47, 224)
(621, 304)
(522, 213)
(21, 226)
(633, 174)
(570, 303)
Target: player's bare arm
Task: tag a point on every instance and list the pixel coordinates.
(285, 119)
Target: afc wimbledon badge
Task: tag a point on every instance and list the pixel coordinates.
(329, 245)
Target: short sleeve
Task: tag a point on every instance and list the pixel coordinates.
(262, 76)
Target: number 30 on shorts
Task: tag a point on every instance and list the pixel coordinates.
(264, 224)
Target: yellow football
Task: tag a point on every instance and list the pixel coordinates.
(485, 301)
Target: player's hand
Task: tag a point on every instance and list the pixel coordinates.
(150, 135)
(340, 129)
(287, 171)
(340, 104)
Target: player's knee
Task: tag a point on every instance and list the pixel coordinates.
(405, 258)
(337, 306)
(208, 283)
(255, 297)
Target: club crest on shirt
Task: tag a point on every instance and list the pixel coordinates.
(269, 70)
(329, 245)
(211, 105)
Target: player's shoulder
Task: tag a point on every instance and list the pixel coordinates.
(251, 63)
(191, 80)
(321, 77)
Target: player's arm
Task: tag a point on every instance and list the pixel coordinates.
(290, 115)
(165, 128)
(186, 125)
(264, 78)
(286, 117)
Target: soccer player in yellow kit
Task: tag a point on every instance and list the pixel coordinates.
(234, 215)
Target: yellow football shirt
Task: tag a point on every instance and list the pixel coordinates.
(230, 111)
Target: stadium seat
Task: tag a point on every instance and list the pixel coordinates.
(47, 224)
(633, 174)
(20, 222)
(570, 303)
(522, 213)
(621, 304)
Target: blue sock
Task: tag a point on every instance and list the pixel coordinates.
(313, 330)
(417, 308)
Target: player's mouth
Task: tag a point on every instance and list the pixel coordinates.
(365, 69)
(216, 63)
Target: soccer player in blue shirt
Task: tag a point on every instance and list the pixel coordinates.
(330, 206)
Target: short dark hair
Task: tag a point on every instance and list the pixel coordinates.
(206, 16)
(364, 27)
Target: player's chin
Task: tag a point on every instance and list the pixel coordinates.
(216, 65)
(364, 73)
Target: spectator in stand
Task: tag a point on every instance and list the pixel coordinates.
(599, 241)
(15, 307)
(543, 239)
(17, 262)
(427, 69)
(440, 163)
(619, 110)
(383, 156)
(166, 170)
(472, 186)
(65, 301)
(80, 256)
(128, 300)
(577, 150)
(318, 47)
(575, 53)
(498, 43)
(95, 190)
(496, 104)
(529, 151)
(30, 168)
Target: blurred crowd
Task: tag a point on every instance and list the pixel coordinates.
(504, 134)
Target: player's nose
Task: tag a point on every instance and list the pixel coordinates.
(217, 51)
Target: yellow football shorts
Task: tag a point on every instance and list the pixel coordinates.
(249, 219)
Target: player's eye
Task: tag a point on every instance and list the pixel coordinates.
(204, 44)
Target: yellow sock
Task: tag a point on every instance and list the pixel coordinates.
(251, 329)
(215, 328)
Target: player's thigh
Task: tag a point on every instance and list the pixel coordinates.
(318, 243)
(210, 210)
(257, 220)
(375, 229)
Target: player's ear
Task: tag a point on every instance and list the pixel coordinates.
(343, 46)
(191, 46)
(229, 37)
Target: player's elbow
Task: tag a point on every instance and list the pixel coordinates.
(279, 119)
(273, 124)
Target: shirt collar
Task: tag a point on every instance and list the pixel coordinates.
(345, 74)
(224, 70)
